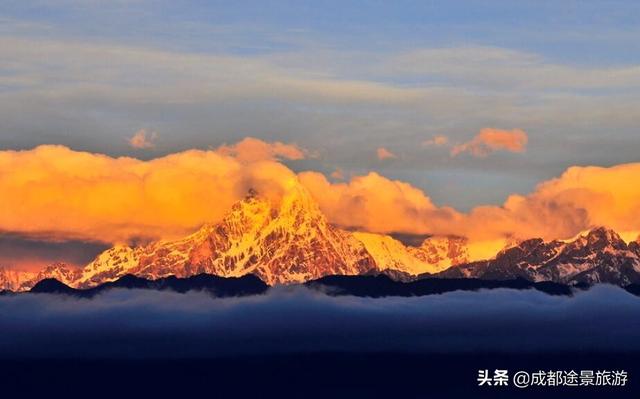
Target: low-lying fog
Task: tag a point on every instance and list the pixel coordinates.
(145, 323)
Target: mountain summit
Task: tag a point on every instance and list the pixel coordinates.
(283, 242)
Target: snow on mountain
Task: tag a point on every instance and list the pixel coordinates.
(597, 256)
(59, 271)
(13, 280)
(391, 254)
(109, 265)
(433, 255)
(442, 252)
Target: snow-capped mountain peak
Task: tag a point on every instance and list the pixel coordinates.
(599, 255)
(13, 280)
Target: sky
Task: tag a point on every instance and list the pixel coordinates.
(469, 102)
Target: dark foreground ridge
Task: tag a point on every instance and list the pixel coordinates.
(362, 286)
(216, 286)
(382, 285)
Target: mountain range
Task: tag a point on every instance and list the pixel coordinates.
(599, 256)
(291, 241)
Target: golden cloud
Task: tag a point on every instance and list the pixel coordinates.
(375, 203)
(61, 194)
(251, 150)
(581, 198)
(490, 140)
(64, 194)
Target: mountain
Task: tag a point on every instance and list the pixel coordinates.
(362, 286)
(214, 285)
(383, 286)
(52, 286)
(599, 256)
(287, 241)
(13, 280)
(442, 252)
(435, 254)
(290, 241)
(284, 242)
(58, 271)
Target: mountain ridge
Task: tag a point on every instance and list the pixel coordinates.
(290, 241)
(599, 256)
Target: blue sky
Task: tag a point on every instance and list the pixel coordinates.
(339, 78)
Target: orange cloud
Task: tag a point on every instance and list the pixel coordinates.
(382, 154)
(58, 193)
(251, 150)
(375, 203)
(581, 198)
(490, 140)
(436, 141)
(143, 139)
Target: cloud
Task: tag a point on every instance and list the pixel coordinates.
(501, 68)
(490, 140)
(382, 154)
(135, 323)
(312, 99)
(436, 141)
(581, 198)
(252, 150)
(143, 139)
(178, 77)
(58, 193)
(375, 203)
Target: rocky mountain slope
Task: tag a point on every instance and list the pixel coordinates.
(288, 242)
(15, 280)
(599, 256)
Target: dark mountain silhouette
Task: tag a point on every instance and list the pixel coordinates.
(382, 285)
(216, 286)
(374, 286)
(53, 286)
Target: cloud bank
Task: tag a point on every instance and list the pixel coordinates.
(133, 323)
(61, 194)
(58, 194)
(250, 149)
